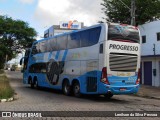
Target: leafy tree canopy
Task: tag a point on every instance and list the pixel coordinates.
(15, 35)
(146, 10)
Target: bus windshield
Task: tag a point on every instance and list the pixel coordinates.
(123, 33)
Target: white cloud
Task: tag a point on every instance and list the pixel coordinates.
(27, 1)
(51, 12)
(55, 7)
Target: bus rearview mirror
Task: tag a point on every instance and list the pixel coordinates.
(21, 61)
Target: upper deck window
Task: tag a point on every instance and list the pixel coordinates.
(90, 37)
(74, 40)
(77, 39)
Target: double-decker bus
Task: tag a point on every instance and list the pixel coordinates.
(102, 59)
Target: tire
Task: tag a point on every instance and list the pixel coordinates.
(31, 84)
(76, 89)
(36, 84)
(108, 96)
(66, 88)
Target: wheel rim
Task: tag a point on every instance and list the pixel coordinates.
(66, 88)
(36, 83)
(76, 89)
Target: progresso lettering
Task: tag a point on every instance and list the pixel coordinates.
(123, 47)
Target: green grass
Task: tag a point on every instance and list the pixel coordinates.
(1, 71)
(5, 89)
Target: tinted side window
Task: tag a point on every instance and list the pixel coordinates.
(38, 68)
(48, 46)
(53, 44)
(120, 32)
(35, 48)
(94, 36)
(84, 38)
(42, 46)
(73, 40)
(90, 37)
(62, 42)
(46, 49)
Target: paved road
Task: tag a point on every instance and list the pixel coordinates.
(50, 100)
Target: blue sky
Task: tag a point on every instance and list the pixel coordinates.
(41, 14)
(20, 10)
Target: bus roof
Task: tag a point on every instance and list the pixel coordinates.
(100, 24)
(66, 33)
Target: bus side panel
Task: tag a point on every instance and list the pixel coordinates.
(25, 77)
(42, 80)
(72, 68)
(89, 82)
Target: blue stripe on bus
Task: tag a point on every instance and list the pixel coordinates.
(57, 55)
(64, 55)
(50, 55)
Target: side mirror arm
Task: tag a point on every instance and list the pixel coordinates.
(21, 60)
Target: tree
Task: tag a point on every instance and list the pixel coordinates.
(146, 10)
(15, 35)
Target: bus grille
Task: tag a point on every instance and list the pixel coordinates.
(123, 62)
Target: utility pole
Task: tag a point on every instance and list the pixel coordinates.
(133, 12)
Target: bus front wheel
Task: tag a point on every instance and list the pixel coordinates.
(76, 89)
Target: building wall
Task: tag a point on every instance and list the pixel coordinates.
(49, 32)
(63, 27)
(150, 30)
(155, 65)
(59, 31)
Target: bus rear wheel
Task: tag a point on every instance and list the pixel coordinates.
(108, 96)
(32, 84)
(66, 88)
(76, 89)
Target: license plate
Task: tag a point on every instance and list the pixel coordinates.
(122, 89)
